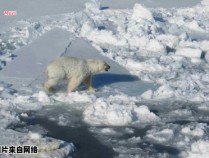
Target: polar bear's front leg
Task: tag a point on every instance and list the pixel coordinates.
(48, 85)
(73, 83)
(88, 84)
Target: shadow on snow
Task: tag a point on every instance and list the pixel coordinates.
(102, 79)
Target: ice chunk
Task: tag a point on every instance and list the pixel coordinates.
(161, 136)
(34, 136)
(22, 99)
(193, 25)
(147, 95)
(205, 2)
(196, 60)
(43, 97)
(108, 131)
(189, 52)
(1, 88)
(24, 114)
(155, 46)
(87, 28)
(144, 115)
(199, 149)
(204, 45)
(207, 56)
(197, 132)
(89, 31)
(141, 12)
(164, 91)
(93, 6)
(168, 40)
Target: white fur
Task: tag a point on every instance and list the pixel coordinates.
(74, 70)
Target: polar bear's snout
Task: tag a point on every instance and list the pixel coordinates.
(107, 67)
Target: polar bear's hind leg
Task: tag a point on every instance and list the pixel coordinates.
(73, 83)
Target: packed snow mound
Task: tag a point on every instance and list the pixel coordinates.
(93, 6)
(196, 132)
(168, 40)
(141, 12)
(199, 149)
(162, 136)
(118, 110)
(205, 2)
(43, 97)
(194, 25)
(90, 31)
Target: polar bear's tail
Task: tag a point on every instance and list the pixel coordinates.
(46, 72)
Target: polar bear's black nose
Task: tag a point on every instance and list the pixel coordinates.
(107, 67)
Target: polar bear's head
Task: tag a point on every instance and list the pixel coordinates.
(97, 65)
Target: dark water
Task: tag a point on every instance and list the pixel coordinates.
(87, 146)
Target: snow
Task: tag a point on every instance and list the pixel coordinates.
(43, 97)
(193, 25)
(108, 131)
(162, 136)
(141, 12)
(167, 47)
(118, 110)
(93, 6)
(189, 52)
(75, 97)
(34, 136)
(147, 95)
(98, 36)
(197, 132)
(199, 149)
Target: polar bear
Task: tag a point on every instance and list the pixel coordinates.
(74, 70)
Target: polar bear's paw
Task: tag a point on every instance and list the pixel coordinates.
(91, 89)
(49, 90)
